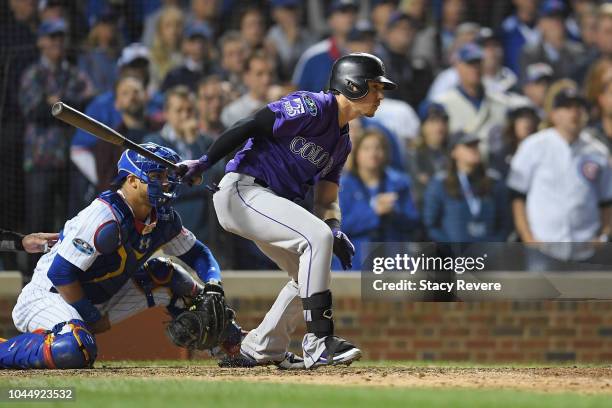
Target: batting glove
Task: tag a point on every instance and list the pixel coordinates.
(191, 170)
(343, 247)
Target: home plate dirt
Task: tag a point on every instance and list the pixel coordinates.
(554, 379)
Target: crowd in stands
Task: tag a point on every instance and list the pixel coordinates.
(500, 128)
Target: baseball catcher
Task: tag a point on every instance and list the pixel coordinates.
(98, 274)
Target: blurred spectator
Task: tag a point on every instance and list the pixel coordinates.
(598, 74)
(381, 12)
(165, 51)
(103, 47)
(553, 48)
(361, 38)
(233, 55)
(428, 155)
(130, 102)
(518, 31)
(375, 200)
(603, 44)
(586, 24)
(313, 68)
(435, 42)
(205, 12)
(417, 9)
(181, 134)
(556, 87)
(24, 12)
(495, 77)
(400, 119)
(504, 141)
(602, 127)
(562, 180)
(538, 78)
(470, 107)
(449, 78)
(252, 28)
(413, 75)
(48, 81)
(197, 63)
(210, 101)
(257, 79)
(287, 39)
(574, 22)
(467, 204)
(152, 20)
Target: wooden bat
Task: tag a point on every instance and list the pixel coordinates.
(80, 120)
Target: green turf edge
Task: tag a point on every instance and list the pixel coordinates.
(132, 393)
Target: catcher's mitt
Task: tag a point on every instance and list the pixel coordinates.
(203, 326)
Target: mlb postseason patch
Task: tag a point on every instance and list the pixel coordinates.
(293, 107)
(82, 246)
(310, 105)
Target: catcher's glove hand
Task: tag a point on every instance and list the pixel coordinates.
(203, 326)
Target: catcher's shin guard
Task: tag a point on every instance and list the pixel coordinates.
(67, 345)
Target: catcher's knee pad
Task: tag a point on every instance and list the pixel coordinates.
(67, 345)
(158, 272)
(321, 323)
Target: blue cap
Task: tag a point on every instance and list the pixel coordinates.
(568, 97)
(433, 110)
(363, 30)
(198, 30)
(552, 8)
(337, 5)
(398, 16)
(50, 27)
(285, 3)
(462, 138)
(469, 52)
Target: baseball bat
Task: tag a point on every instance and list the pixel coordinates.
(78, 119)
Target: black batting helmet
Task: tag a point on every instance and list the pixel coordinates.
(351, 73)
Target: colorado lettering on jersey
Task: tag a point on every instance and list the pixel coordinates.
(309, 151)
(293, 107)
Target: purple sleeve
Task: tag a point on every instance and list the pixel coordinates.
(295, 113)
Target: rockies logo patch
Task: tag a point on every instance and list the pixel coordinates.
(311, 106)
(82, 246)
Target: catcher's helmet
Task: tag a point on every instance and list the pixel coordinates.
(351, 73)
(161, 192)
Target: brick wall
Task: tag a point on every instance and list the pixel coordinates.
(528, 331)
(532, 331)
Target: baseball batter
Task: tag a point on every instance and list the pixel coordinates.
(297, 142)
(96, 275)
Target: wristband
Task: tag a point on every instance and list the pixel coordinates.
(87, 310)
(333, 223)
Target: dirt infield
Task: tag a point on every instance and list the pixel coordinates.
(590, 380)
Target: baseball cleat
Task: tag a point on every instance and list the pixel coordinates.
(243, 360)
(338, 352)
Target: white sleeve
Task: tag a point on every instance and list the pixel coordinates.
(77, 245)
(522, 167)
(180, 244)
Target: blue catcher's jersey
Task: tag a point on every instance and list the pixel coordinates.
(107, 244)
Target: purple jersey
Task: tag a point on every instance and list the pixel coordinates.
(307, 145)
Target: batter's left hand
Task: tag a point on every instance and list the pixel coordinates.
(343, 249)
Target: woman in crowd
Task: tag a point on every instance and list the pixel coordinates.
(102, 50)
(466, 204)
(375, 200)
(166, 49)
(428, 155)
(503, 141)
